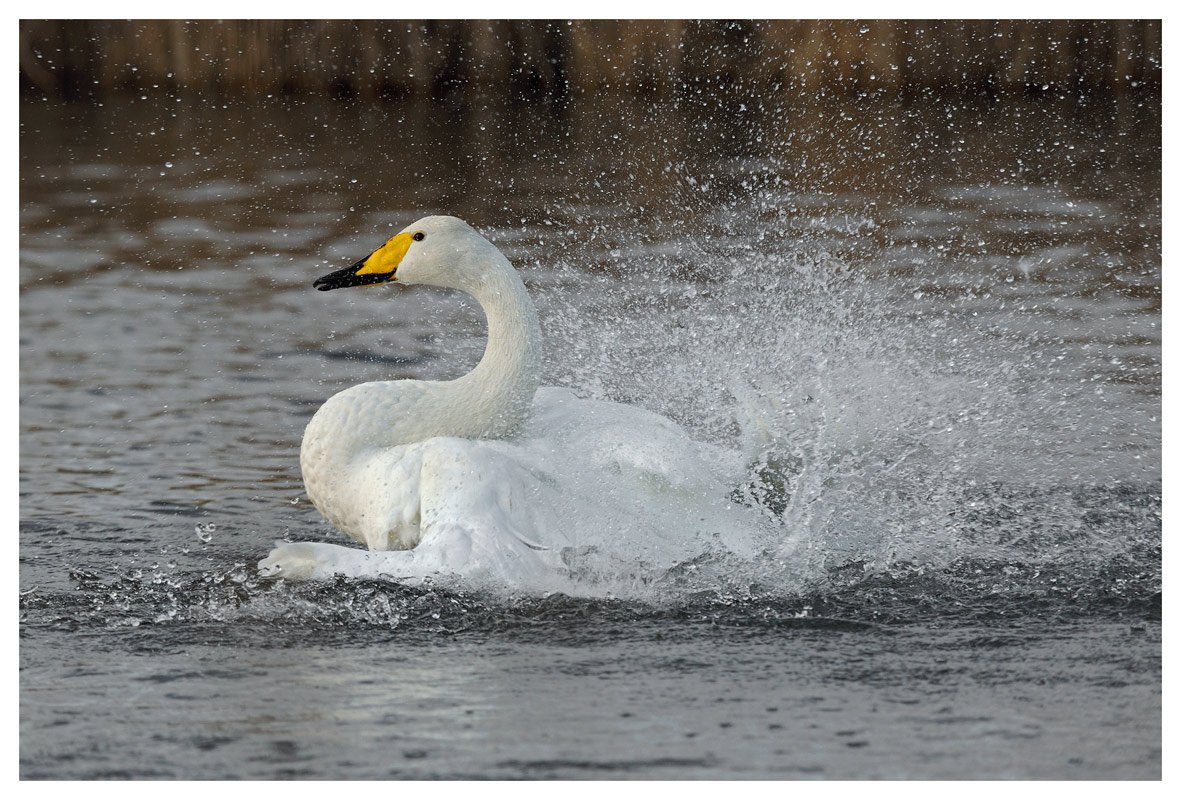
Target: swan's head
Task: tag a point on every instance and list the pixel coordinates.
(436, 251)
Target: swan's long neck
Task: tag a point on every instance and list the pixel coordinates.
(494, 398)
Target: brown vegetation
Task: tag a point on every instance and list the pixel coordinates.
(532, 59)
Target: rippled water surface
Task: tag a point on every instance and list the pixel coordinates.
(946, 316)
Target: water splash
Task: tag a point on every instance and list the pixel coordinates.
(879, 430)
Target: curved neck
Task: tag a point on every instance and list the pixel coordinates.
(498, 393)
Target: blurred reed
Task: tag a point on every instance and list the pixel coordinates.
(81, 59)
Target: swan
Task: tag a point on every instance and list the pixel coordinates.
(489, 479)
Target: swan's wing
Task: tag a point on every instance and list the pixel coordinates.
(647, 476)
(628, 440)
(590, 489)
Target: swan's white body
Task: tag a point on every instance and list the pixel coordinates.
(488, 478)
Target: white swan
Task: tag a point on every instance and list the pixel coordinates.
(486, 477)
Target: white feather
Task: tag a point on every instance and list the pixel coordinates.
(488, 479)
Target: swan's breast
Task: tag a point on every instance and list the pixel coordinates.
(343, 436)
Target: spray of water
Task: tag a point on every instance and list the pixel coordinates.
(895, 450)
(880, 436)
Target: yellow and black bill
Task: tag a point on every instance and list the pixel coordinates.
(351, 276)
(380, 266)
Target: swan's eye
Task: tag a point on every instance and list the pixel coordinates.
(418, 237)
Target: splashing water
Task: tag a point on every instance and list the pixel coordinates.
(879, 430)
(906, 366)
(932, 331)
(884, 439)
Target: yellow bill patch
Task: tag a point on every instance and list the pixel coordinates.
(385, 259)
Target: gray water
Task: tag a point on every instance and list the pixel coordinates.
(950, 312)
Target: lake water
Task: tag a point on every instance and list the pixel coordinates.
(952, 310)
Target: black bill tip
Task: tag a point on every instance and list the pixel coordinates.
(348, 276)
